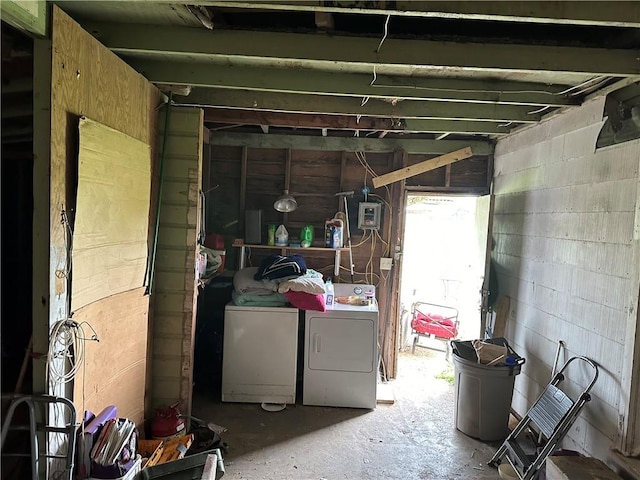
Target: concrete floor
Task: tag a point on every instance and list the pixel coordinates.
(414, 438)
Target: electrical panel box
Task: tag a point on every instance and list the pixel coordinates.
(369, 215)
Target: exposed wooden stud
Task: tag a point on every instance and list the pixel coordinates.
(243, 186)
(287, 181)
(283, 102)
(422, 167)
(349, 144)
(343, 173)
(395, 243)
(295, 80)
(447, 175)
(238, 117)
(279, 49)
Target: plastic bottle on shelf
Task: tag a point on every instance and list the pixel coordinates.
(271, 234)
(328, 292)
(282, 236)
(327, 232)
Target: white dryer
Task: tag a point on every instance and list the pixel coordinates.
(341, 353)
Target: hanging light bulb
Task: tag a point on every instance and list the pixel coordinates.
(285, 203)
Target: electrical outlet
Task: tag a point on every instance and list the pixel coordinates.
(386, 263)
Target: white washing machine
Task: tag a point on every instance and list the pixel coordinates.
(341, 353)
(260, 352)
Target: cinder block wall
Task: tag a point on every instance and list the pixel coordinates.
(563, 250)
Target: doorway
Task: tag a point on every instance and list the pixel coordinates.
(17, 209)
(443, 264)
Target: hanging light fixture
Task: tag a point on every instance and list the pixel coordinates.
(285, 203)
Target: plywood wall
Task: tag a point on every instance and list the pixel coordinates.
(87, 79)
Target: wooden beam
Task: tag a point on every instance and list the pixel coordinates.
(273, 49)
(475, 191)
(349, 122)
(29, 16)
(349, 144)
(422, 167)
(600, 13)
(207, 74)
(283, 102)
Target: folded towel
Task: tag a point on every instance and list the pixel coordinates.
(248, 300)
(243, 282)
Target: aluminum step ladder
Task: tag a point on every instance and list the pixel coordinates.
(39, 430)
(551, 416)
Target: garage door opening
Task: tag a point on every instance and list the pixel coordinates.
(442, 271)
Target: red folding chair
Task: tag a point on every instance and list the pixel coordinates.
(438, 322)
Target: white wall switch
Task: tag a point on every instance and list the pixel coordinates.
(386, 263)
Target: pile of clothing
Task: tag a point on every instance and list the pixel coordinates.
(280, 281)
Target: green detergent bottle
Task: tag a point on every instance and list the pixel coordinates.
(306, 236)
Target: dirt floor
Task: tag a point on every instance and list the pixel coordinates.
(414, 438)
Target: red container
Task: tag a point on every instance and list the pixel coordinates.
(167, 423)
(214, 241)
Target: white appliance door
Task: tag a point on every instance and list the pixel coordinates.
(260, 347)
(341, 344)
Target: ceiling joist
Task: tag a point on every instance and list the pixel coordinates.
(597, 13)
(348, 144)
(281, 102)
(350, 122)
(276, 49)
(207, 74)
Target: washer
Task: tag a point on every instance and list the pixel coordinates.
(341, 353)
(259, 354)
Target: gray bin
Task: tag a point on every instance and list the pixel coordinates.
(483, 396)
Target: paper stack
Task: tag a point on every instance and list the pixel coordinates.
(116, 442)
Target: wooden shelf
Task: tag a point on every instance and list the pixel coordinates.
(281, 247)
(336, 252)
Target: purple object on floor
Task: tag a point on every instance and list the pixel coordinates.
(88, 437)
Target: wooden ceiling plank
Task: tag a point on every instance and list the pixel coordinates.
(349, 144)
(344, 122)
(283, 102)
(207, 74)
(335, 50)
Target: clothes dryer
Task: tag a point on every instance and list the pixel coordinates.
(341, 352)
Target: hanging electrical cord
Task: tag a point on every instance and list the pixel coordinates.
(365, 238)
(66, 350)
(386, 32)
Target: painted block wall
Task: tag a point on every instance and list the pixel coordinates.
(564, 252)
(175, 283)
